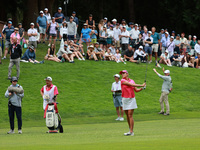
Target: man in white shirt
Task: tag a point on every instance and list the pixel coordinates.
(134, 34)
(116, 35)
(124, 39)
(148, 43)
(32, 33)
(117, 99)
(197, 48)
(140, 55)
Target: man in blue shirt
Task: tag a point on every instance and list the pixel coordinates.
(156, 40)
(163, 42)
(42, 25)
(75, 19)
(59, 16)
(8, 31)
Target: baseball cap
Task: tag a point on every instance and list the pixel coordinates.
(123, 20)
(41, 12)
(91, 46)
(48, 78)
(10, 22)
(117, 75)
(66, 45)
(73, 12)
(19, 24)
(85, 24)
(166, 71)
(46, 9)
(173, 31)
(123, 71)
(72, 17)
(124, 26)
(105, 18)
(141, 47)
(178, 34)
(31, 47)
(175, 52)
(104, 26)
(136, 24)
(166, 51)
(162, 30)
(114, 20)
(32, 24)
(194, 36)
(97, 43)
(149, 32)
(53, 18)
(111, 26)
(59, 8)
(16, 29)
(172, 37)
(131, 23)
(166, 32)
(14, 79)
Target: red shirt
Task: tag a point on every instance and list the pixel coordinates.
(127, 90)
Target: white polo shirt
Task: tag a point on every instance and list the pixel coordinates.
(197, 48)
(125, 40)
(116, 33)
(116, 86)
(134, 33)
(32, 38)
(139, 53)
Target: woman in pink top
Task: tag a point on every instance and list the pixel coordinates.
(14, 35)
(128, 98)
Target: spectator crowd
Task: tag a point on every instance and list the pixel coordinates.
(105, 41)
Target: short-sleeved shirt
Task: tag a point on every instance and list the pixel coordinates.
(76, 20)
(32, 38)
(86, 33)
(129, 53)
(14, 35)
(155, 37)
(94, 36)
(59, 15)
(8, 31)
(116, 86)
(42, 21)
(164, 41)
(125, 40)
(127, 90)
(192, 44)
(21, 30)
(49, 88)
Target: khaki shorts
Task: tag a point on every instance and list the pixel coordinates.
(155, 48)
(42, 30)
(7, 44)
(0, 51)
(32, 43)
(117, 44)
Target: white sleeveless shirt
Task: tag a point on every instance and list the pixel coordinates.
(51, 95)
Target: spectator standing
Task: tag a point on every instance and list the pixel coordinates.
(124, 39)
(8, 31)
(53, 30)
(85, 34)
(16, 35)
(42, 25)
(15, 54)
(145, 34)
(32, 33)
(14, 105)
(148, 43)
(177, 43)
(156, 40)
(110, 36)
(134, 34)
(103, 35)
(21, 33)
(166, 88)
(171, 46)
(71, 25)
(47, 15)
(163, 42)
(114, 22)
(116, 35)
(94, 35)
(64, 31)
(90, 22)
(183, 43)
(162, 33)
(117, 97)
(192, 44)
(197, 48)
(75, 19)
(100, 25)
(173, 34)
(139, 42)
(188, 43)
(59, 16)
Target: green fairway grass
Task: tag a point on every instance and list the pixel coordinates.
(88, 113)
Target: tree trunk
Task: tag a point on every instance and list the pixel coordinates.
(131, 10)
(49, 5)
(31, 13)
(101, 5)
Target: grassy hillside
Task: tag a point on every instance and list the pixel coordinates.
(84, 87)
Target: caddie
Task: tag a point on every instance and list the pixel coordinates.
(166, 88)
(15, 93)
(117, 96)
(48, 89)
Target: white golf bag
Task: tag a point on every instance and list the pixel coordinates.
(52, 121)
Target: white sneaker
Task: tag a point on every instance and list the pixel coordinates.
(129, 134)
(117, 61)
(20, 131)
(11, 132)
(79, 59)
(83, 59)
(117, 119)
(125, 63)
(159, 65)
(121, 119)
(49, 44)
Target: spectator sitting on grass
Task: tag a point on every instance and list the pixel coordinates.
(112, 49)
(98, 51)
(79, 45)
(188, 61)
(175, 60)
(91, 54)
(118, 57)
(65, 54)
(128, 55)
(29, 56)
(72, 48)
(140, 55)
(51, 54)
(197, 48)
(197, 61)
(164, 59)
(109, 56)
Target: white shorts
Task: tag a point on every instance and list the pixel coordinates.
(129, 103)
(42, 30)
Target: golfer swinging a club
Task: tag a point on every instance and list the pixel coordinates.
(128, 99)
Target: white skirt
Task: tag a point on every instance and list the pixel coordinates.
(129, 103)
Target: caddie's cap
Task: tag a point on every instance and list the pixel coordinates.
(117, 75)
(123, 71)
(166, 71)
(48, 78)
(17, 29)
